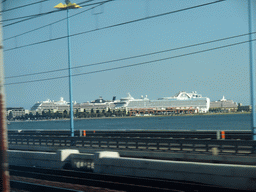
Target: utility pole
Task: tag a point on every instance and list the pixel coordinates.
(252, 72)
(4, 173)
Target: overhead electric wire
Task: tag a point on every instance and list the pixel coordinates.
(132, 65)
(132, 57)
(14, 8)
(102, 2)
(34, 15)
(116, 25)
(28, 17)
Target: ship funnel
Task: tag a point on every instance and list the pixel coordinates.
(114, 98)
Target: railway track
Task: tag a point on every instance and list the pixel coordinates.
(87, 181)
(19, 185)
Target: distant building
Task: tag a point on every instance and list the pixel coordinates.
(223, 105)
(244, 108)
(12, 112)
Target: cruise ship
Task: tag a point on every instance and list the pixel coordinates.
(181, 100)
(99, 103)
(60, 105)
(223, 103)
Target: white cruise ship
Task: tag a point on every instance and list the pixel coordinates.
(51, 105)
(180, 100)
(64, 105)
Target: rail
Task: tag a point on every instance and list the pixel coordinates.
(242, 135)
(97, 182)
(146, 144)
(26, 186)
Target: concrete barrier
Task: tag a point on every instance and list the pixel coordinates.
(82, 161)
(107, 162)
(230, 176)
(40, 159)
(195, 157)
(101, 154)
(64, 154)
(86, 161)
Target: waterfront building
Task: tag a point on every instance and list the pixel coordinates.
(12, 112)
(242, 108)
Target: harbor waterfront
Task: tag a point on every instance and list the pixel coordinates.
(229, 162)
(197, 122)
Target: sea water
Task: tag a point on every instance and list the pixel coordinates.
(196, 122)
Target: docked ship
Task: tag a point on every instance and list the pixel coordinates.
(224, 105)
(60, 105)
(63, 105)
(181, 100)
(99, 103)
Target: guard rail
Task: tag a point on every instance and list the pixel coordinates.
(231, 134)
(147, 144)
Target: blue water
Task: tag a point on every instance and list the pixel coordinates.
(208, 122)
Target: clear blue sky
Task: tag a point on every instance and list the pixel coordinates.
(212, 74)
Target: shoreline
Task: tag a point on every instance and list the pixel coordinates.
(162, 116)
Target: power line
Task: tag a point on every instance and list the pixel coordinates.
(132, 57)
(132, 65)
(119, 24)
(23, 6)
(28, 17)
(3, 1)
(103, 2)
(36, 15)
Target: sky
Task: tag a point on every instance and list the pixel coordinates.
(212, 72)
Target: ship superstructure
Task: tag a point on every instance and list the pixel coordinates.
(180, 100)
(63, 105)
(60, 105)
(223, 104)
(99, 103)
